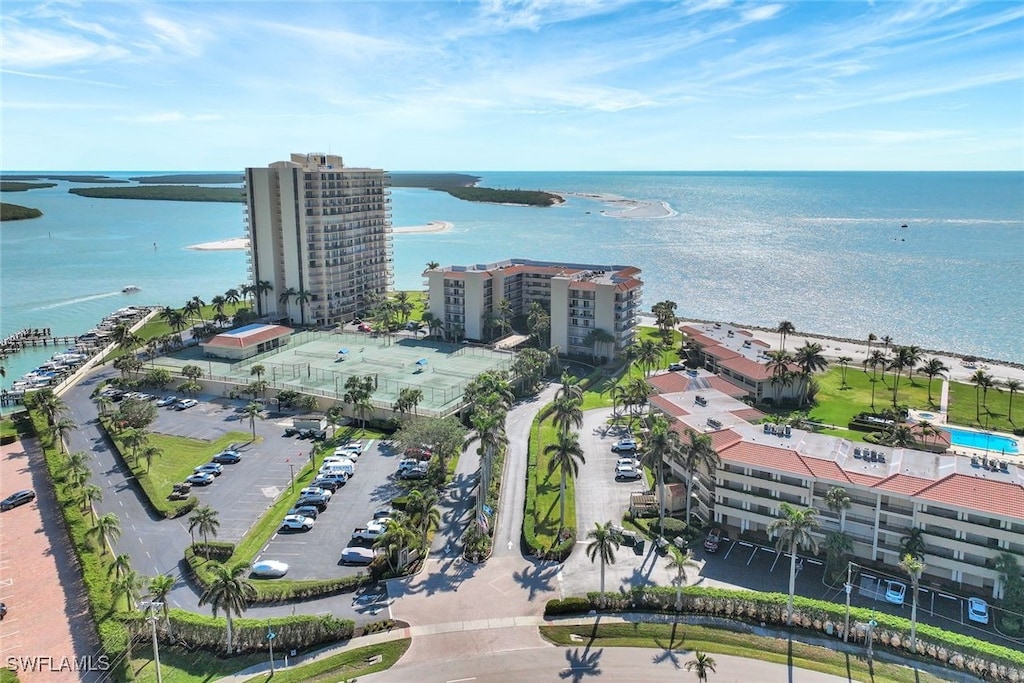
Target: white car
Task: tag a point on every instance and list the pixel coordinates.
(210, 467)
(337, 460)
(895, 592)
(297, 523)
(167, 401)
(315, 491)
(270, 569)
(628, 462)
(624, 445)
(977, 610)
(627, 473)
(200, 478)
(186, 404)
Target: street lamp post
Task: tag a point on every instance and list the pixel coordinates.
(291, 467)
(270, 638)
(871, 638)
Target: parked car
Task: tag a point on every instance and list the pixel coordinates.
(895, 592)
(16, 499)
(213, 468)
(167, 401)
(319, 502)
(200, 478)
(315, 491)
(332, 484)
(185, 404)
(628, 462)
(675, 367)
(381, 513)
(365, 327)
(347, 469)
(627, 474)
(977, 610)
(227, 458)
(297, 523)
(305, 511)
(715, 537)
(269, 569)
(624, 445)
(291, 431)
(338, 460)
(357, 555)
(418, 472)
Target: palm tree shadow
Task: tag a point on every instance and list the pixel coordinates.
(668, 653)
(536, 578)
(581, 664)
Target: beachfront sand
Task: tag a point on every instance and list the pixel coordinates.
(833, 348)
(238, 243)
(623, 207)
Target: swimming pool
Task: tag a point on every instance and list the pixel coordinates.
(926, 416)
(982, 441)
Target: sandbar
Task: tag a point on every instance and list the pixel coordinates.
(239, 243)
(624, 207)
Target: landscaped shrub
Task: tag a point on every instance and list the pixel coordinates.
(217, 551)
(571, 605)
(673, 527)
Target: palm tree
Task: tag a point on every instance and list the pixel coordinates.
(665, 318)
(403, 305)
(785, 328)
(160, 586)
(91, 493)
(396, 538)
(285, 297)
(914, 567)
(261, 288)
(197, 306)
(567, 413)
(121, 565)
(566, 456)
(1012, 386)
(932, 368)
(981, 381)
(809, 359)
(844, 364)
(701, 664)
(303, 297)
(204, 519)
(913, 355)
(698, 454)
(128, 586)
(149, 451)
(253, 411)
(660, 442)
(133, 438)
(647, 354)
(51, 405)
(597, 337)
(886, 340)
(838, 546)
(421, 508)
(838, 501)
(900, 436)
(60, 430)
(258, 370)
(232, 297)
(794, 528)
(603, 544)
(778, 366)
(228, 592)
(107, 530)
(490, 429)
(913, 543)
(637, 391)
(875, 359)
(680, 565)
(902, 358)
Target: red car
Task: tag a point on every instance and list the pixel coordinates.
(365, 327)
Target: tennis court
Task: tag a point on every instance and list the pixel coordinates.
(319, 363)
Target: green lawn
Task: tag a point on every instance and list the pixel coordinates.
(967, 406)
(179, 665)
(346, 666)
(685, 639)
(599, 395)
(181, 456)
(546, 506)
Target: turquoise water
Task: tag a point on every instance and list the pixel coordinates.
(823, 250)
(987, 442)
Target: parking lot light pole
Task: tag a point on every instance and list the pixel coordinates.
(153, 607)
(849, 589)
(291, 467)
(270, 638)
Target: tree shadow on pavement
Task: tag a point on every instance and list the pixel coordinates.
(581, 664)
(536, 578)
(669, 651)
(451, 573)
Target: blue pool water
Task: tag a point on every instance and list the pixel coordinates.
(989, 442)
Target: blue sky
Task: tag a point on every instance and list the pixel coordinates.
(501, 85)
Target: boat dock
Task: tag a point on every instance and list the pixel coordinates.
(30, 338)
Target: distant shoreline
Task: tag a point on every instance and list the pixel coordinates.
(624, 207)
(242, 243)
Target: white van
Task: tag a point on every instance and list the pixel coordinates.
(338, 460)
(348, 469)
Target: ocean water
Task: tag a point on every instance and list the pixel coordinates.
(823, 250)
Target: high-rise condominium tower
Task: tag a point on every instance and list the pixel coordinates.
(320, 238)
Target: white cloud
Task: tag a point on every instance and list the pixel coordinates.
(31, 48)
(761, 12)
(177, 38)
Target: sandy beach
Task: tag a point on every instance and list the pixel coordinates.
(833, 348)
(239, 243)
(623, 207)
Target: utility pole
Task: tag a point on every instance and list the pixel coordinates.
(849, 589)
(871, 638)
(270, 638)
(153, 607)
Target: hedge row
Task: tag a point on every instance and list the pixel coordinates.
(250, 635)
(892, 631)
(94, 566)
(169, 509)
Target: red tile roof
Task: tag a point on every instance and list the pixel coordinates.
(764, 456)
(667, 406)
(723, 438)
(742, 365)
(825, 469)
(669, 382)
(903, 483)
(720, 352)
(723, 385)
(748, 414)
(1000, 498)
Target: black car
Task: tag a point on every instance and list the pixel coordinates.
(305, 511)
(227, 458)
(331, 485)
(290, 431)
(319, 502)
(16, 499)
